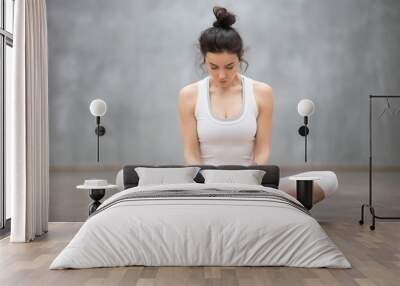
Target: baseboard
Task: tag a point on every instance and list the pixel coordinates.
(88, 168)
(343, 168)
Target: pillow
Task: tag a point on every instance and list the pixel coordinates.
(162, 176)
(249, 177)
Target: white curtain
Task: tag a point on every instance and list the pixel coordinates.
(27, 122)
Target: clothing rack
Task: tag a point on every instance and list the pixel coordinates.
(370, 205)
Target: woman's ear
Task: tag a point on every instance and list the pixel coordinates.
(241, 55)
(203, 66)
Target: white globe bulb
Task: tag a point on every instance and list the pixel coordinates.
(98, 107)
(305, 107)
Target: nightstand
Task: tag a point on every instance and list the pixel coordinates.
(304, 189)
(97, 190)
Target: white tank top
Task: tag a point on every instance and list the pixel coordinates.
(231, 141)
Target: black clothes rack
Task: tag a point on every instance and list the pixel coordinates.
(370, 205)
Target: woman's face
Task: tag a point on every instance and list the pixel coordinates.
(222, 67)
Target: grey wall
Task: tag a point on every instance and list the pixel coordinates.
(136, 55)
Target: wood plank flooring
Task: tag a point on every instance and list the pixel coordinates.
(375, 257)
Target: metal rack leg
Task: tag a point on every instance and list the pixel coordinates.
(372, 210)
(361, 221)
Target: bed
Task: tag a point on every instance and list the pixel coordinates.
(201, 224)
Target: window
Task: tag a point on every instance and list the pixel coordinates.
(6, 44)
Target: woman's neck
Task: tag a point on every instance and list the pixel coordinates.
(235, 82)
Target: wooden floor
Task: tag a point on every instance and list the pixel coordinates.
(374, 255)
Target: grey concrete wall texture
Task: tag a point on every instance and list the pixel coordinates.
(136, 55)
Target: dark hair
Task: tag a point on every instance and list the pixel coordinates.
(221, 37)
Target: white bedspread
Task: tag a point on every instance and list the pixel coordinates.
(200, 231)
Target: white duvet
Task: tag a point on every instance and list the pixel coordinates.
(200, 231)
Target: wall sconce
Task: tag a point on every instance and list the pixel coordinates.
(98, 108)
(305, 108)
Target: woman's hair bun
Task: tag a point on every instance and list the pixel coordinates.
(225, 19)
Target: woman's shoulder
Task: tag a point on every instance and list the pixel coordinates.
(189, 91)
(263, 94)
(261, 88)
(188, 95)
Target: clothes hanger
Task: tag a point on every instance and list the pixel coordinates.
(397, 112)
(387, 108)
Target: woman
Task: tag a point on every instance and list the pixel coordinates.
(226, 118)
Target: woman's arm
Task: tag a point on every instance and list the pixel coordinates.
(188, 126)
(265, 106)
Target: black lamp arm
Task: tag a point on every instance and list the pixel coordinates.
(100, 131)
(303, 131)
